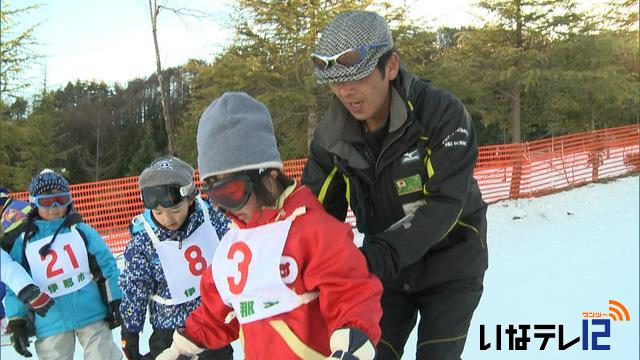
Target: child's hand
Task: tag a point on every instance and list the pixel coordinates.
(181, 346)
(113, 314)
(37, 300)
(130, 344)
(19, 337)
(351, 343)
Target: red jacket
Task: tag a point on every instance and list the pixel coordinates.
(328, 262)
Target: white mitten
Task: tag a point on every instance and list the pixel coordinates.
(351, 344)
(181, 345)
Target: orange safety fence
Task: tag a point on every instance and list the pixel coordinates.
(503, 172)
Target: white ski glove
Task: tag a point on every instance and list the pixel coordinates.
(181, 345)
(351, 344)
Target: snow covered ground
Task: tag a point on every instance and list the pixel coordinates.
(551, 259)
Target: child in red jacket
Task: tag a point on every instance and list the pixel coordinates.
(287, 279)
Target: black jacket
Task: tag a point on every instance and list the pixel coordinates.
(416, 200)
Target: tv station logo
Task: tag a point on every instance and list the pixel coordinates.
(596, 333)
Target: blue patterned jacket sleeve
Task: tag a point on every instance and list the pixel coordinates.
(105, 259)
(219, 220)
(137, 283)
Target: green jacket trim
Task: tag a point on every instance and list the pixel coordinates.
(325, 185)
(474, 230)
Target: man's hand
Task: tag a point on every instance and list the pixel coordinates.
(380, 258)
(351, 344)
(181, 345)
(19, 337)
(37, 300)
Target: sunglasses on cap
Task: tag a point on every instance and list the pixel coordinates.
(166, 196)
(231, 193)
(50, 200)
(347, 58)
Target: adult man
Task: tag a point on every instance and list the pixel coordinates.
(401, 153)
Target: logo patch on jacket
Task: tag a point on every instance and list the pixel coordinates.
(408, 185)
(458, 137)
(288, 269)
(410, 156)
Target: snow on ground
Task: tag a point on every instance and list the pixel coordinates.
(568, 253)
(550, 259)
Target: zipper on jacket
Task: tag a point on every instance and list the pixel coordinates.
(368, 181)
(369, 155)
(175, 237)
(404, 129)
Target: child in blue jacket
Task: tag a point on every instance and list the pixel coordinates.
(172, 244)
(69, 261)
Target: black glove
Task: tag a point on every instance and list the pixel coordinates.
(19, 337)
(113, 314)
(38, 301)
(130, 344)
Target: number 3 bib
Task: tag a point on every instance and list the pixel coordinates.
(65, 268)
(247, 272)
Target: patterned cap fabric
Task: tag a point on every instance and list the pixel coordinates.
(353, 29)
(166, 170)
(46, 181)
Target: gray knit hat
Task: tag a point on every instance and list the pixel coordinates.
(235, 133)
(353, 29)
(168, 170)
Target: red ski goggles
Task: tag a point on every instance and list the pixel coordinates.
(165, 196)
(230, 193)
(51, 200)
(347, 58)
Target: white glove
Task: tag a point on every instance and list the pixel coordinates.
(351, 344)
(181, 345)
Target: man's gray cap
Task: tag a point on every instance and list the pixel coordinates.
(167, 170)
(350, 30)
(235, 133)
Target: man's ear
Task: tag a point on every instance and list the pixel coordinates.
(273, 174)
(393, 66)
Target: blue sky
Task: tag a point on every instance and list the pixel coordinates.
(111, 40)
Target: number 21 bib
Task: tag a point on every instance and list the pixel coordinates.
(65, 268)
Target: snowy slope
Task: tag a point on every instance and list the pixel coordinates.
(551, 258)
(568, 253)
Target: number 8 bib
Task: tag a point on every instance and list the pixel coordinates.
(183, 264)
